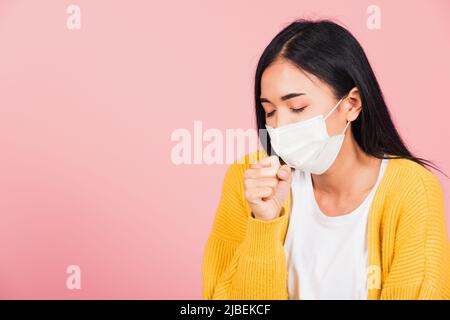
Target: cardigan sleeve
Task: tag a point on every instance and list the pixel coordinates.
(244, 257)
(420, 267)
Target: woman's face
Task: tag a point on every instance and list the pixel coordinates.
(289, 95)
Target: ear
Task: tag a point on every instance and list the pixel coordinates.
(353, 104)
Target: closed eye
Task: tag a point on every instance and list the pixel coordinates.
(269, 114)
(296, 110)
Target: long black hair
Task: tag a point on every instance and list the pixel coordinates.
(331, 53)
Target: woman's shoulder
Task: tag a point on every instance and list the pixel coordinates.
(412, 181)
(409, 171)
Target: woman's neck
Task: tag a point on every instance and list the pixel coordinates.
(352, 171)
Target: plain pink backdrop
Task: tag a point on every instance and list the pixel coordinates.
(86, 118)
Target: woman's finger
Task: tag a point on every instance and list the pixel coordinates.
(258, 193)
(262, 183)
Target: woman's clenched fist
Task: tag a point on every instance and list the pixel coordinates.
(267, 186)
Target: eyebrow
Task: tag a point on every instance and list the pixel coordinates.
(285, 97)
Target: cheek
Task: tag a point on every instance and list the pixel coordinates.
(271, 121)
(335, 126)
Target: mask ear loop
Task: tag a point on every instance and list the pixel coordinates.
(335, 106)
(348, 122)
(346, 126)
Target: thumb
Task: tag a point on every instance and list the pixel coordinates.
(284, 185)
(284, 173)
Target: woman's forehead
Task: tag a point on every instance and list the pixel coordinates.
(282, 77)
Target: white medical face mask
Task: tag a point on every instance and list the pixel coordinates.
(306, 145)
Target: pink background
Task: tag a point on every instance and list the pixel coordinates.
(86, 118)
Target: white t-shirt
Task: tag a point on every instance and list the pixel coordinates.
(326, 256)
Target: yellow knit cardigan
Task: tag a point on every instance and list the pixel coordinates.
(408, 248)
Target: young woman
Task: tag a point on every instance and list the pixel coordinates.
(351, 214)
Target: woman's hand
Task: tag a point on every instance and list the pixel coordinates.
(267, 186)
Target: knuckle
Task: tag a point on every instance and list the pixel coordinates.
(248, 194)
